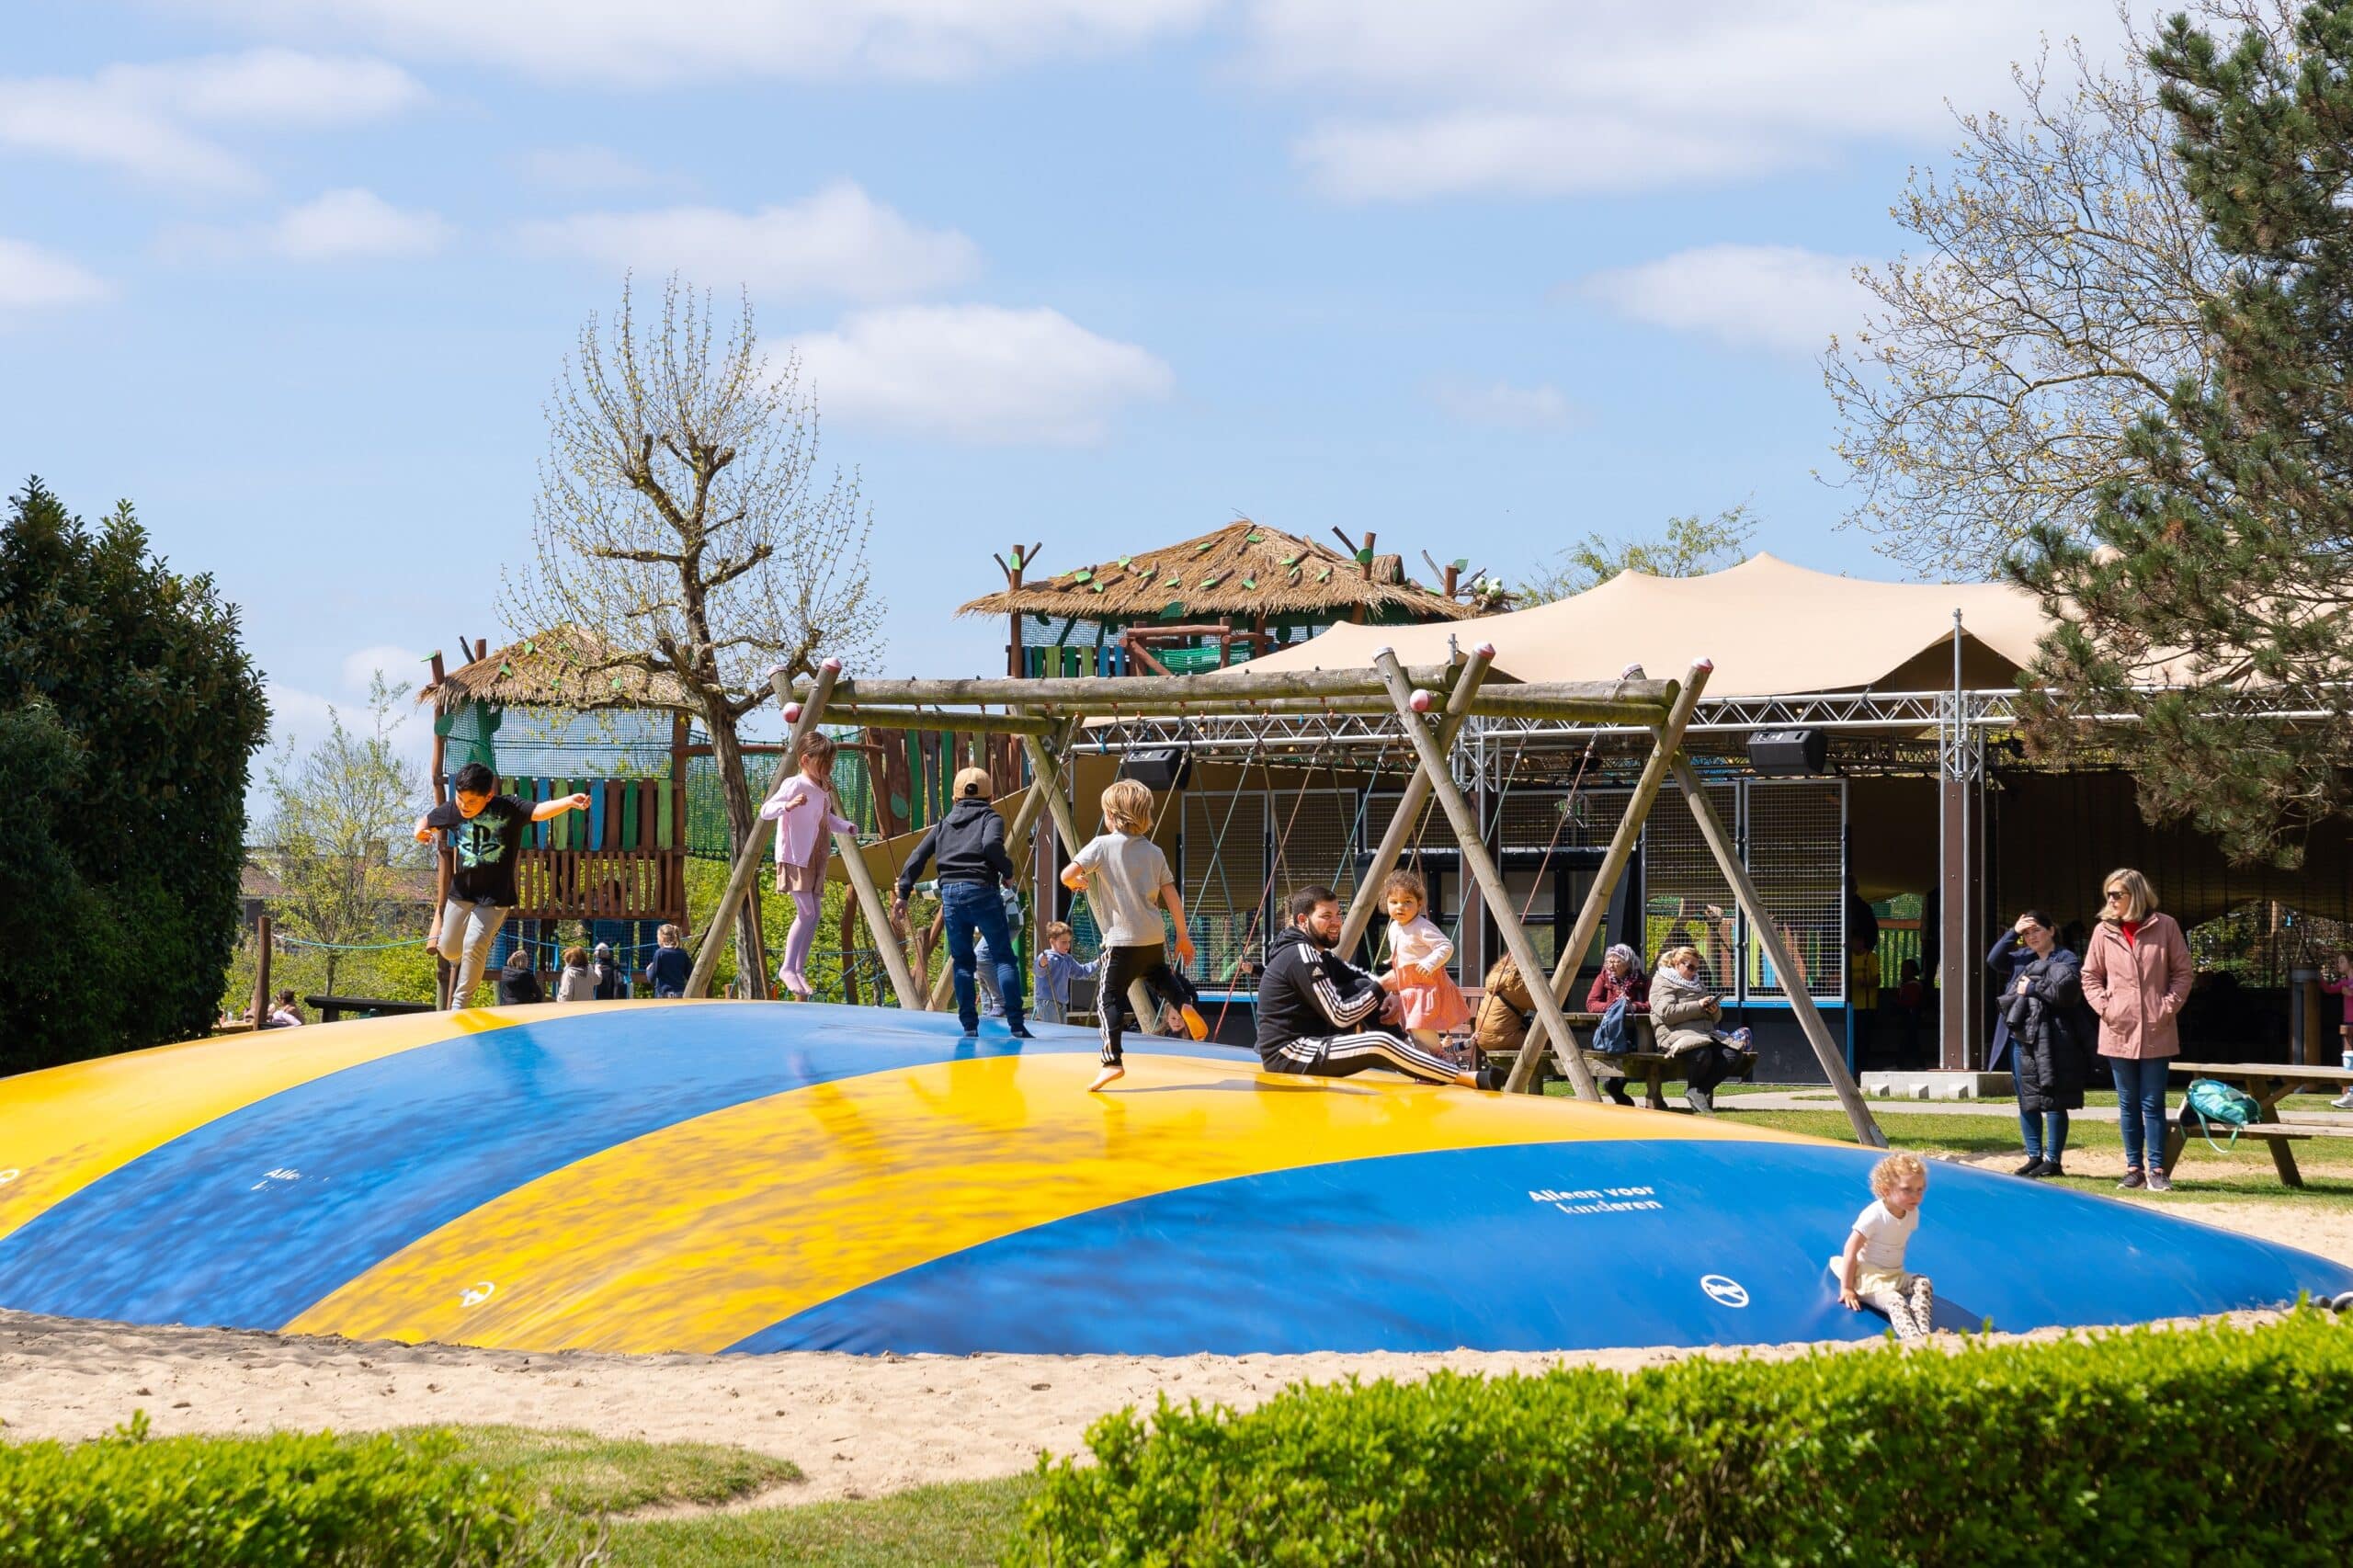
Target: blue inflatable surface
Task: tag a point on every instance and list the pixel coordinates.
(712, 1175)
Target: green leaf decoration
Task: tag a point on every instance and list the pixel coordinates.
(1295, 574)
(507, 669)
(1249, 582)
(1294, 559)
(1327, 575)
(529, 646)
(1461, 563)
(1255, 538)
(1126, 559)
(1016, 558)
(1364, 558)
(1082, 576)
(1205, 546)
(1096, 587)
(1212, 580)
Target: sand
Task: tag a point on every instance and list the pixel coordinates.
(856, 1425)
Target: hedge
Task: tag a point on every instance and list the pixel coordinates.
(290, 1498)
(2215, 1444)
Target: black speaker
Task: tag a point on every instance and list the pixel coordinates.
(1157, 768)
(1789, 753)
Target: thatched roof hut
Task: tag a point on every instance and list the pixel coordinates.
(1244, 570)
(567, 668)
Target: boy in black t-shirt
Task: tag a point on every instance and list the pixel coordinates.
(485, 829)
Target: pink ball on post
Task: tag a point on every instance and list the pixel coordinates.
(1485, 650)
(835, 666)
(792, 712)
(1419, 703)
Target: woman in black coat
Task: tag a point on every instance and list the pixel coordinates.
(2045, 1011)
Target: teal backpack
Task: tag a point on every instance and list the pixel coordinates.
(2210, 1102)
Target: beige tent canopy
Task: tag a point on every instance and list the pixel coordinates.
(1771, 628)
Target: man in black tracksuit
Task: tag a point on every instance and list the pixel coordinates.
(970, 843)
(1315, 1006)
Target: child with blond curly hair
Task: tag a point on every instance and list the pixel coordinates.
(1871, 1271)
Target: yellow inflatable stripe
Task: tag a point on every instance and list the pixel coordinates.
(704, 1233)
(63, 1128)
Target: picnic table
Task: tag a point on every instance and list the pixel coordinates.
(330, 1008)
(2268, 1082)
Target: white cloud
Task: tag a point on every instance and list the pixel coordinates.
(630, 41)
(34, 279)
(338, 226)
(152, 120)
(980, 374)
(839, 241)
(1534, 96)
(1508, 407)
(1774, 297)
(582, 166)
(400, 667)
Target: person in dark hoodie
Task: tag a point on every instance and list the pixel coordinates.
(969, 842)
(1315, 1006)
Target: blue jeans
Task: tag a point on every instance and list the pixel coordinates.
(2040, 1144)
(977, 908)
(2141, 1108)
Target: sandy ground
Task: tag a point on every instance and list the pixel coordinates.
(858, 1425)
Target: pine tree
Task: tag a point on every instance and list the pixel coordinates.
(2217, 585)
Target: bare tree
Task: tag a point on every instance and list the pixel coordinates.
(682, 525)
(340, 821)
(2056, 302)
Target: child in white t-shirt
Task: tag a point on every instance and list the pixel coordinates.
(1871, 1271)
(1127, 882)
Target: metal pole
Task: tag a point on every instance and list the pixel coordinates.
(1483, 869)
(1410, 804)
(747, 855)
(1817, 1034)
(1669, 740)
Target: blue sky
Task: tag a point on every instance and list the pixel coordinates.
(1484, 276)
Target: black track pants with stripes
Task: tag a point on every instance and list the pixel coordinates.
(1340, 1055)
(1120, 966)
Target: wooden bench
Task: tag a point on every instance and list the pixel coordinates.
(1652, 1070)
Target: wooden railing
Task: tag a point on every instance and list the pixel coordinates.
(601, 885)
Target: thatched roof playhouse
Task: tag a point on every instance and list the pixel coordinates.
(1209, 601)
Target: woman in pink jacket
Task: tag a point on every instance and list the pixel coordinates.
(806, 818)
(2136, 976)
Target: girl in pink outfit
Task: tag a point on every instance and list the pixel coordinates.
(2343, 986)
(1429, 1002)
(806, 817)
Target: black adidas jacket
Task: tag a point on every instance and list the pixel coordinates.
(1306, 993)
(970, 842)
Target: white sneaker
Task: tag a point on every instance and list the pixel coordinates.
(2343, 1101)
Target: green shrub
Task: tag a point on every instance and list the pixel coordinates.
(2213, 1445)
(132, 1502)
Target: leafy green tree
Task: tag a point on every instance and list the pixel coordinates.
(2219, 574)
(339, 830)
(1689, 546)
(134, 715)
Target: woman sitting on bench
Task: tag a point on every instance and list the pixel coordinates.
(1687, 1018)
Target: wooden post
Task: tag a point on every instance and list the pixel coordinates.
(1817, 1034)
(444, 858)
(1480, 866)
(1047, 771)
(747, 856)
(261, 969)
(878, 921)
(1668, 739)
(1410, 804)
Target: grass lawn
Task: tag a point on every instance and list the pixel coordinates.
(2243, 1174)
(583, 1477)
(952, 1524)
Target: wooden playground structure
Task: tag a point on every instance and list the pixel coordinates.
(1427, 703)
